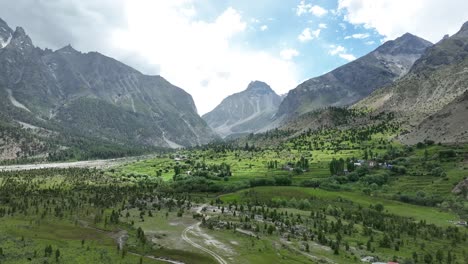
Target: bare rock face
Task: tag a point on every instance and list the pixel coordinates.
(431, 98)
(354, 81)
(461, 188)
(449, 125)
(246, 112)
(93, 95)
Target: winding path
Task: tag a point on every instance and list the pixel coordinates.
(157, 258)
(188, 240)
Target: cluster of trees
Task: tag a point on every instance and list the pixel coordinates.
(201, 169)
(303, 164)
(274, 181)
(336, 139)
(79, 144)
(49, 250)
(338, 166)
(337, 225)
(273, 164)
(71, 194)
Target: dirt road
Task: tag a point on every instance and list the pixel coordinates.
(188, 240)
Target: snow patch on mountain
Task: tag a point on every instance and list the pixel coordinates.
(4, 43)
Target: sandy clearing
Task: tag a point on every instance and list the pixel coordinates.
(99, 164)
(77, 164)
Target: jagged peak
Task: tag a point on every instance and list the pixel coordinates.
(407, 35)
(68, 48)
(405, 44)
(259, 86)
(410, 37)
(21, 39)
(19, 32)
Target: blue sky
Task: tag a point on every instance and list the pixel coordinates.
(214, 48)
(275, 26)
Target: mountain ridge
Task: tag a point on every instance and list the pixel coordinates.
(447, 56)
(431, 87)
(53, 86)
(244, 112)
(353, 81)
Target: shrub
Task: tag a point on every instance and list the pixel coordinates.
(310, 183)
(379, 179)
(282, 180)
(261, 182)
(399, 169)
(447, 154)
(438, 172)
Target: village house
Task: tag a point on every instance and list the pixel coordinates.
(367, 259)
(180, 157)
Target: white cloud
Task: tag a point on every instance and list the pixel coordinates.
(361, 36)
(263, 27)
(429, 19)
(316, 33)
(316, 10)
(308, 34)
(347, 56)
(322, 25)
(200, 56)
(337, 50)
(371, 42)
(288, 54)
(358, 36)
(302, 8)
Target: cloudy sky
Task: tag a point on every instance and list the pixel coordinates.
(213, 48)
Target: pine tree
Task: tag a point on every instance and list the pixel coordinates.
(57, 255)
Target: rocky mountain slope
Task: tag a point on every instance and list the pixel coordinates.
(355, 80)
(91, 95)
(246, 112)
(449, 125)
(431, 93)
